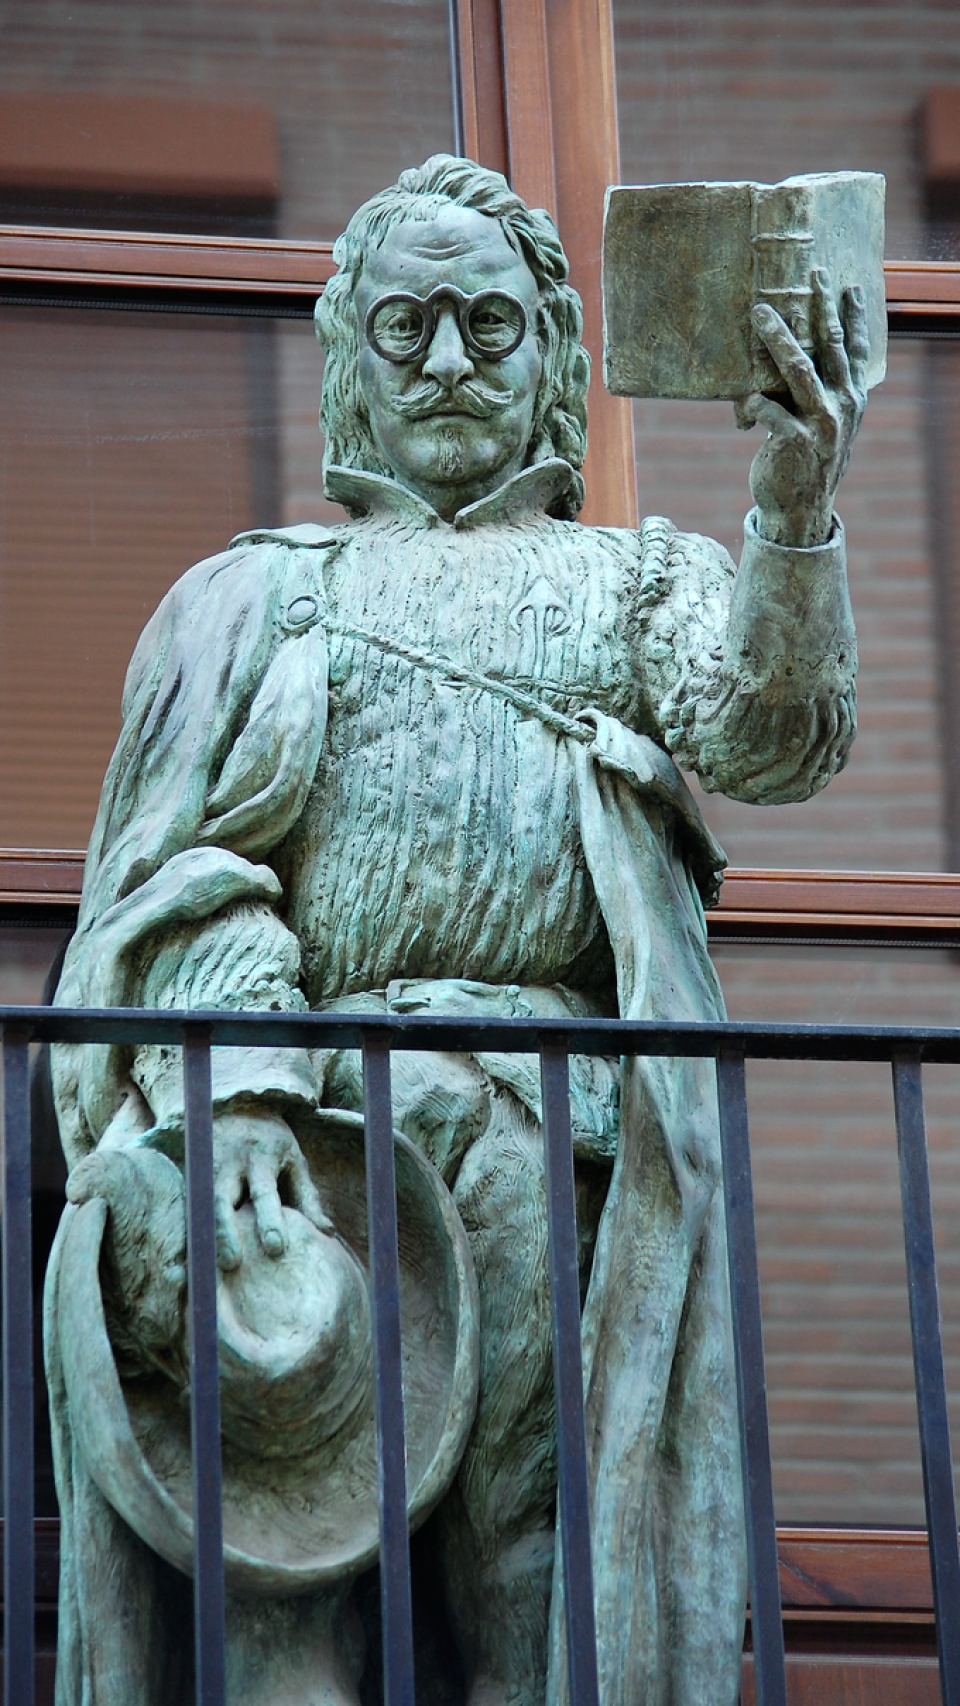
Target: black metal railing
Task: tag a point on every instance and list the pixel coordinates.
(731, 1045)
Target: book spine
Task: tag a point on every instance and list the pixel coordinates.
(782, 243)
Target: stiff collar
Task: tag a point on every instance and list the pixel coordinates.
(527, 497)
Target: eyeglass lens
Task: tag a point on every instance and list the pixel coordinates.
(397, 329)
(494, 324)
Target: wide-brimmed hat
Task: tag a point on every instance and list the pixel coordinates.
(299, 1447)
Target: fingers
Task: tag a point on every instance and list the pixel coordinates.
(854, 310)
(267, 1208)
(829, 333)
(795, 366)
(304, 1194)
(255, 1166)
(225, 1201)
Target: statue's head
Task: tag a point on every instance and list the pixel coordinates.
(452, 339)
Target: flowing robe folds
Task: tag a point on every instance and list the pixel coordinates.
(404, 763)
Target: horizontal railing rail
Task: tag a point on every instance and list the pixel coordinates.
(757, 1041)
(730, 1044)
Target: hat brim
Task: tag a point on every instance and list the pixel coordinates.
(289, 1524)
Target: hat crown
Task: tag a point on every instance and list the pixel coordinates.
(295, 1344)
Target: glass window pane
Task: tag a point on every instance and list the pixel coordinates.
(131, 445)
(836, 1325)
(27, 952)
(220, 116)
(735, 91)
(893, 808)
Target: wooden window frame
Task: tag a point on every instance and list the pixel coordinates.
(901, 908)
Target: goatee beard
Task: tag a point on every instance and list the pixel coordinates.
(450, 452)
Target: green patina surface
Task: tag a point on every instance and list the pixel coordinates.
(428, 761)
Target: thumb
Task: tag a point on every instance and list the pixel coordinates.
(779, 422)
(745, 410)
(94, 1176)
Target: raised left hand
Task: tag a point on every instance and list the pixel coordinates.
(795, 473)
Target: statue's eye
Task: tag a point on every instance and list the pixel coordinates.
(496, 324)
(398, 328)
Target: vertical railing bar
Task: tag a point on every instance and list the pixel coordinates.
(765, 1611)
(935, 1453)
(208, 1587)
(18, 1542)
(573, 1483)
(396, 1607)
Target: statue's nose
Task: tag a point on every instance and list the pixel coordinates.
(447, 360)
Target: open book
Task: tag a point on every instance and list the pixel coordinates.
(683, 265)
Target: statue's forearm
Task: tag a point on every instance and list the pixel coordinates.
(773, 714)
(244, 958)
(790, 634)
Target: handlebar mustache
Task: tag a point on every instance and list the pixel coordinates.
(470, 397)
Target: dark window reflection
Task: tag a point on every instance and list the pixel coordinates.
(216, 117)
(132, 445)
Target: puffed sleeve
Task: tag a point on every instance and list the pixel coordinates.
(750, 672)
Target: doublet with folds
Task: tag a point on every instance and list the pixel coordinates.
(440, 837)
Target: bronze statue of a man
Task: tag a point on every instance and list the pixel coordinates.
(427, 761)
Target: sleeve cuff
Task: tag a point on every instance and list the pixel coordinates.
(282, 1076)
(790, 620)
(835, 542)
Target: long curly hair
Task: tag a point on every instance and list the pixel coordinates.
(560, 415)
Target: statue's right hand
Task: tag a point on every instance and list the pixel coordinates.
(258, 1160)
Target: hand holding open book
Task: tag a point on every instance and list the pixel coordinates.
(771, 295)
(796, 472)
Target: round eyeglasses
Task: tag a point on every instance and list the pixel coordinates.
(400, 326)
